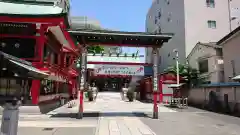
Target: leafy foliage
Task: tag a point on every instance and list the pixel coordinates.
(191, 76)
(95, 49)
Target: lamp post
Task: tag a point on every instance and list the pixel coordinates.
(177, 65)
(229, 13)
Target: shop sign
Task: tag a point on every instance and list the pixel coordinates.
(119, 70)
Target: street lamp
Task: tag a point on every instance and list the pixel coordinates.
(177, 65)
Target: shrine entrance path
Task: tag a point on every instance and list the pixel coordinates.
(119, 117)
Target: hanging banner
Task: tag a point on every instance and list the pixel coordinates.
(119, 70)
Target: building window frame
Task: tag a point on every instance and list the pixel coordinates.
(159, 14)
(203, 66)
(167, 1)
(212, 24)
(210, 3)
(155, 21)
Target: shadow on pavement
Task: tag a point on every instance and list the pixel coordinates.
(124, 114)
(74, 115)
(104, 114)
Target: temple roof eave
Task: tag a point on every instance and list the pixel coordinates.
(18, 8)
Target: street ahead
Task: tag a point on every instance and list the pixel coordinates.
(111, 116)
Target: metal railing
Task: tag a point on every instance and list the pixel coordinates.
(179, 102)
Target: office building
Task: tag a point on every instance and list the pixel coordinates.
(191, 21)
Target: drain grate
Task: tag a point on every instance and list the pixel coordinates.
(220, 125)
(48, 129)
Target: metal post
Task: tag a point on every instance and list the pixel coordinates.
(82, 81)
(177, 65)
(10, 118)
(155, 82)
(230, 17)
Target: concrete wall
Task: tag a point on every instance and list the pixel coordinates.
(231, 53)
(199, 95)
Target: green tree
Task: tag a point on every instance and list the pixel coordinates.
(190, 75)
(95, 49)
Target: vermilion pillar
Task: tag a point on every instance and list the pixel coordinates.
(35, 91)
(161, 89)
(155, 82)
(82, 80)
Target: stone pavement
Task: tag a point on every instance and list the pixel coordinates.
(116, 116)
(119, 117)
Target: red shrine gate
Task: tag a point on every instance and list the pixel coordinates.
(118, 38)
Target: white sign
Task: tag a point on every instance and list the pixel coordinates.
(155, 74)
(119, 70)
(100, 58)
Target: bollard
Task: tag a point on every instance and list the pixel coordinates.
(62, 100)
(10, 118)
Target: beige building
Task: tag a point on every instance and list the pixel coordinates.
(229, 91)
(231, 54)
(207, 59)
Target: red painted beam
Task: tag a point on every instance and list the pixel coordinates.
(127, 45)
(119, 63)
(56, 20)
(15, 36)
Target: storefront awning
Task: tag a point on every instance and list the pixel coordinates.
(17, 65)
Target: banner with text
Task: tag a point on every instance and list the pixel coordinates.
(119, 70)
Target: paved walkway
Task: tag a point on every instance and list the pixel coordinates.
(117, 116)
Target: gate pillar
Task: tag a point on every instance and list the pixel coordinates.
(82, 80)
(155, 54)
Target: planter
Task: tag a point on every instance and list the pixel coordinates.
(130, 95)
(90, 96)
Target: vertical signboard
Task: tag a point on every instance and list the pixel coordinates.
(155, 71)
(83, 70)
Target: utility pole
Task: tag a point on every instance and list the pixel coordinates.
(177, 65)
(229, 13)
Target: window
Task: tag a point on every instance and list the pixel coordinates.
(159, 14)
(212, 24)
(210, 3)
(155, 21)
(159, 30)
(168, 2)
(203, 66)
(169, 17)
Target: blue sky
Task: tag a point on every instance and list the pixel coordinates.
(123, 15)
